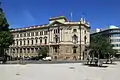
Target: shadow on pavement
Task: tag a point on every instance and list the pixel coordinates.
(94, 65)
(111, 63)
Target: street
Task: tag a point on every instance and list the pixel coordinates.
(67, 71)
(50, 62)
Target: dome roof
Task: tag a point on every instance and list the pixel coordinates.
(113, 27)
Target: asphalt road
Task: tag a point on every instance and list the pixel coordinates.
(50, 62)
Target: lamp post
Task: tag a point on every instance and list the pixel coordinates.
(80, 40)
(49, 41)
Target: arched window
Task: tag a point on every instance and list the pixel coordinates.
(45, 40)
(85, 39)
(74, 30)
(74, 49)
(40, 40)
(36, 40)
(20, 42)
(28, 41)
(56, 39)
(75, 39)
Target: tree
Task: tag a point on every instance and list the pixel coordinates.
(100, 46)
(6, 38)
(43, 52)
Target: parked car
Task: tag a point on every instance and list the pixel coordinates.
(47, 59)
(34, 58)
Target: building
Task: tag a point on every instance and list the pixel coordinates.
(65, 39)
(113, 33)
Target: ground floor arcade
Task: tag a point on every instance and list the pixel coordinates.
(66, 52)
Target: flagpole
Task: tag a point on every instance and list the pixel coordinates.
(71, 16)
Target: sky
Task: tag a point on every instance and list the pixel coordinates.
(24, 13)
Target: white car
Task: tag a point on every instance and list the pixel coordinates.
(47, 59)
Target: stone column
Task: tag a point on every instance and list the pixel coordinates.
(52, 35)
(19, 52)
(34, 51)
(22, 42)
(61, 35)
(30, 50)
(23, 54)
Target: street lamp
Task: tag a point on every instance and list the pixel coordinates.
(80, 40)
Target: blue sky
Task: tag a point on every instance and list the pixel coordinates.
(23, 13)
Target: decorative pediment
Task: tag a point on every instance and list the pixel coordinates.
(56, 23)
(69, 28)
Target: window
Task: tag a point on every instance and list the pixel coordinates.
(41, 40)
(58, 30)
(17, 50)
(56, 38)
(17, 35)
(20, 42)
(36, 33)
(116, 45)
(13, 50)
(24, 50)
(41, 33)
(28, 50)
(17, 42)
(24, 34)
(28, 34)
(85, 39)
(74, 30)
(54, 31)
(115, 40)
(75, 39)
(32, 50)
(20, 50)
(85, 31)
(115, 35)
(32, 41)
(74, 49)
(36, 41)
(55, 49)
(36, 49)
(20, 35)
(32, 33)
(28, 42)
(24, 42)
(45, 32)
(45, 40)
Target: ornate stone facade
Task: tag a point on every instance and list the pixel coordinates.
(65, 39)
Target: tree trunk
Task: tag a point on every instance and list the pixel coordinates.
(1, 51)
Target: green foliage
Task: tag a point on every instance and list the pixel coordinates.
(43, 51)
(3, 22)
(101, 46)
(6, 38)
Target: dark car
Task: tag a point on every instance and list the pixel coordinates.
(34, 58)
